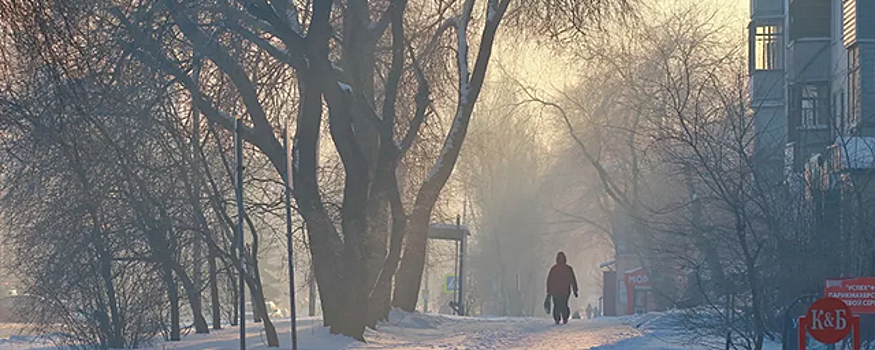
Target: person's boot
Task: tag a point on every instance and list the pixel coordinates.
(564, 321)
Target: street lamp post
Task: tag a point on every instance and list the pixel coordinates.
(288, 192)
(238, 150)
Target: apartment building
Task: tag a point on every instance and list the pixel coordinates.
(812, 68)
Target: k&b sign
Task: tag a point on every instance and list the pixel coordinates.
(829, 320)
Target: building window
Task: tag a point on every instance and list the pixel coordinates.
(849, 22)
(813, 106)
(768, 52)
(854, 103)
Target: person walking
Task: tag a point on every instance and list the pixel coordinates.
(589, 311)
(560, 283)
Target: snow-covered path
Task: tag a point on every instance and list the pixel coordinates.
(500, 333)
(416, 331)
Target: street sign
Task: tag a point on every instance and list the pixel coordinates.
(857, 293)
(451, 284)
(829, 321)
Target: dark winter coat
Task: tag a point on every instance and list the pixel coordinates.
(561, 280)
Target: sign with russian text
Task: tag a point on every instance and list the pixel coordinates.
(858, 293)
(829, 321)
(634, 279)
(637, 277)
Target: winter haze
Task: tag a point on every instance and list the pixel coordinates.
(420, 174)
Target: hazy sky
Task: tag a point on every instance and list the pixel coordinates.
(540, 67)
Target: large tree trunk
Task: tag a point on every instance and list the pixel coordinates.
(375, 241)
(161, 253)
(192, 291)
(260, 307)
(354, 295)
(381, 295)
(173, 298)
(360, 60)
(409, 277)
(235, 295)
(116, 336)
(214, 291)
(325, 243)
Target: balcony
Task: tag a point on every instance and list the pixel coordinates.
(852, 153)
(766, 8)
(809, 19)
(809, 59)
(767, 88)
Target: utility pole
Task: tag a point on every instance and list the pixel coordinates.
(288, 191)
(461, 276)
(456, 290)
(238, 149)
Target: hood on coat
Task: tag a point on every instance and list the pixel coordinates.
(560, 258)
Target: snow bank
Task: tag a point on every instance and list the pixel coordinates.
(663, 331)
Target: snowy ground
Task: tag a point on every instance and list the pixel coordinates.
(416, 331)
(659, 331)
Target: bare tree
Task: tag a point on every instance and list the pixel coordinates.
(264, 62)
(682, 104)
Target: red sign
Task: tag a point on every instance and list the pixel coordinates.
(829, 321)
(858, 293)
(635, 279)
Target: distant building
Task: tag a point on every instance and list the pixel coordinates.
(627, 286)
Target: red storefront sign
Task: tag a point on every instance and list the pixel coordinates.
(829, 321)
(635, 279)
(858, 293)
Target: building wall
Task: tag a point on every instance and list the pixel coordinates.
(867, 70)
(770, 124)
(808, 59)
(858, 33)
(858, 20)
(838, 69)
(768, 87)
(812, 54)
(809, 19)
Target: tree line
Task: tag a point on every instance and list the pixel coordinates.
(117, 117)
